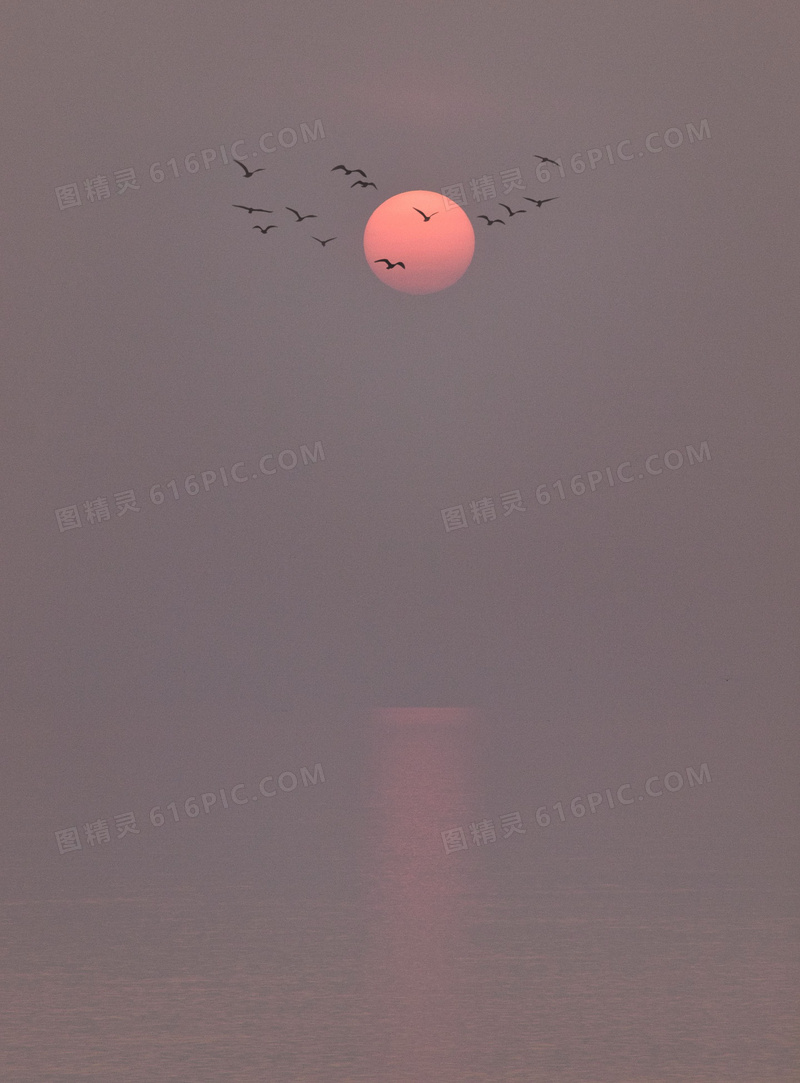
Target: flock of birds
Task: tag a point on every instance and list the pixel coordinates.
(522, 210)
(364, 183)
(298, 217)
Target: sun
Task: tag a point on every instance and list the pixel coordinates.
(436, 252)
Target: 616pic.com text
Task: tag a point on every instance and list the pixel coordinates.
(98, 510)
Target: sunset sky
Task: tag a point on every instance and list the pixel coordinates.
(258, 504)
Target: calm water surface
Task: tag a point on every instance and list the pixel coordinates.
(400, 962)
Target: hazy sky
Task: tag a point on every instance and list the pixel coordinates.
(153, 335)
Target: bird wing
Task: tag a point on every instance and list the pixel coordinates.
(361, 171)
(344, 167)
(399, 264)
(293, 211)
(386, 261)
(244, 167)
(484, 216)
(506, 207)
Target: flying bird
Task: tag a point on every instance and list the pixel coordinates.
(492, 221)
(323, 243)
(349, 171)
(539, 202)
(364, 184)
(248, 172)
(427, 217)
(264, 228)
(300, 217)
(512, 213)
(261, 210)
(389, 264)
(541, 159)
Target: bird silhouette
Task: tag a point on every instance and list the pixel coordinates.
(492, 221)
(364, 184)
(248, 172)
(349, 171)
(539, 202)
(264, 228)
(323, 243)
(300, 217)
(541, 159)
(389, 264)
(427, 217)
(512, 213)
(250, 210)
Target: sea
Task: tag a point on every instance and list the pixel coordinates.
(407, 922)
